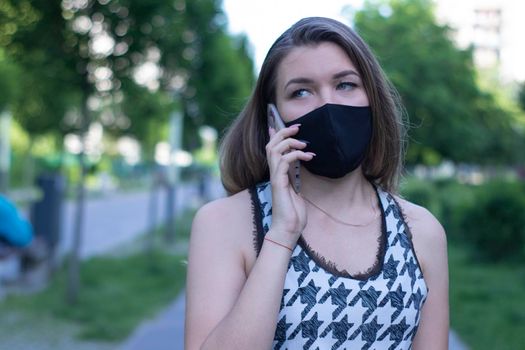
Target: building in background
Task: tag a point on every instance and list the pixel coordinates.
(495, 29)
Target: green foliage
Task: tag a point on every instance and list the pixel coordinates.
(446, 199)
(224, 79)
(218, 67)
(480, 288)
(487, 301)
(488, 217)
(118, 294)
(495, 224)
(14, 16)
(450, 117)
(50, 83)
(421, 193)
(148, 113)
(42, 106)
(452, 199)
(188, 40)
(521, 96)
(118, 291)
(9, 89)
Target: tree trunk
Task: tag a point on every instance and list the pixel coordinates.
(73, 285)
(5, 150)
(170, 213)
(152, 218)
(29, 166)
(172, 174)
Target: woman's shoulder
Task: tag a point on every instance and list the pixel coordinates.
(428, 235)
(226, 210)
(224, 222)
(419, 216)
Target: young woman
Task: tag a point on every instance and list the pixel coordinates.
(341, 264)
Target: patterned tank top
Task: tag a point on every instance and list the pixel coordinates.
(322, 308)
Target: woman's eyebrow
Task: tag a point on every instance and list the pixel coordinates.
(339, 75)
(299, 81)
(345, 73)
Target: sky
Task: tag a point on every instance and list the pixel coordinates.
(264, 20)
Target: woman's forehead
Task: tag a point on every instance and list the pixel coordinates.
(313, 62)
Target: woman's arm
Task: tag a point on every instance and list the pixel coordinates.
(226, 310)
(430, 244)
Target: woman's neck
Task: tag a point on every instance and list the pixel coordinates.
(350, 191)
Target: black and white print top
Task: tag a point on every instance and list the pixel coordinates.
(323, 308)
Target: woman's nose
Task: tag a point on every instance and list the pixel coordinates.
(326, 97)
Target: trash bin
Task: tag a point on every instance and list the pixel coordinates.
(46, 212)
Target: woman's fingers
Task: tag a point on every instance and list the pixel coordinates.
(297, 155)
(287, 145)
(278, 136)
(281, 143)
(282, 150)
(282, 165)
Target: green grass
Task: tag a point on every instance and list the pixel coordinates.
(118, 290)
(487, 302)
(183, 224)
(116, 294)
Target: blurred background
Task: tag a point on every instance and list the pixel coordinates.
(110, 116)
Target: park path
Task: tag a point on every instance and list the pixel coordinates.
(116, 218)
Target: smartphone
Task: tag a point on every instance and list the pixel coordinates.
(275, 121)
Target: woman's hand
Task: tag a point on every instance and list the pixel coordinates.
(288, 208)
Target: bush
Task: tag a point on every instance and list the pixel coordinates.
(495, 222)
(453, 198)
(421, 192)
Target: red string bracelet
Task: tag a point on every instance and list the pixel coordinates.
(282, 245)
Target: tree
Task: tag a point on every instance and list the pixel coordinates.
(79, 51)
(8, 90)
(521, 96)
(148, 114)
(450, 116)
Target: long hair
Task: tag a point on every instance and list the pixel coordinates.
(242, 153)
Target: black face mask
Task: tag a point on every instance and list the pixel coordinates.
(339, 135)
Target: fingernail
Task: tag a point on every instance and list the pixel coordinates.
(295, 125)
(311, 153)
(304, 141)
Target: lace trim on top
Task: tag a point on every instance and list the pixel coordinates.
(321, 261)
(257, 216)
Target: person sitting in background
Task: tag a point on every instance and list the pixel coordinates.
(15, 231)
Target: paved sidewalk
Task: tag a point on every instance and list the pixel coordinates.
(117, 218)
(454, 343)
(166, 332)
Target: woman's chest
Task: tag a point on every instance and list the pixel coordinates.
(319, 309)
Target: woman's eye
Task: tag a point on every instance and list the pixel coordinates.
(300, 93)
(346, 85)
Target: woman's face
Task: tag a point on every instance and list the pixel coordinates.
(311, 76)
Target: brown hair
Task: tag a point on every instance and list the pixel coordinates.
(242, 153)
